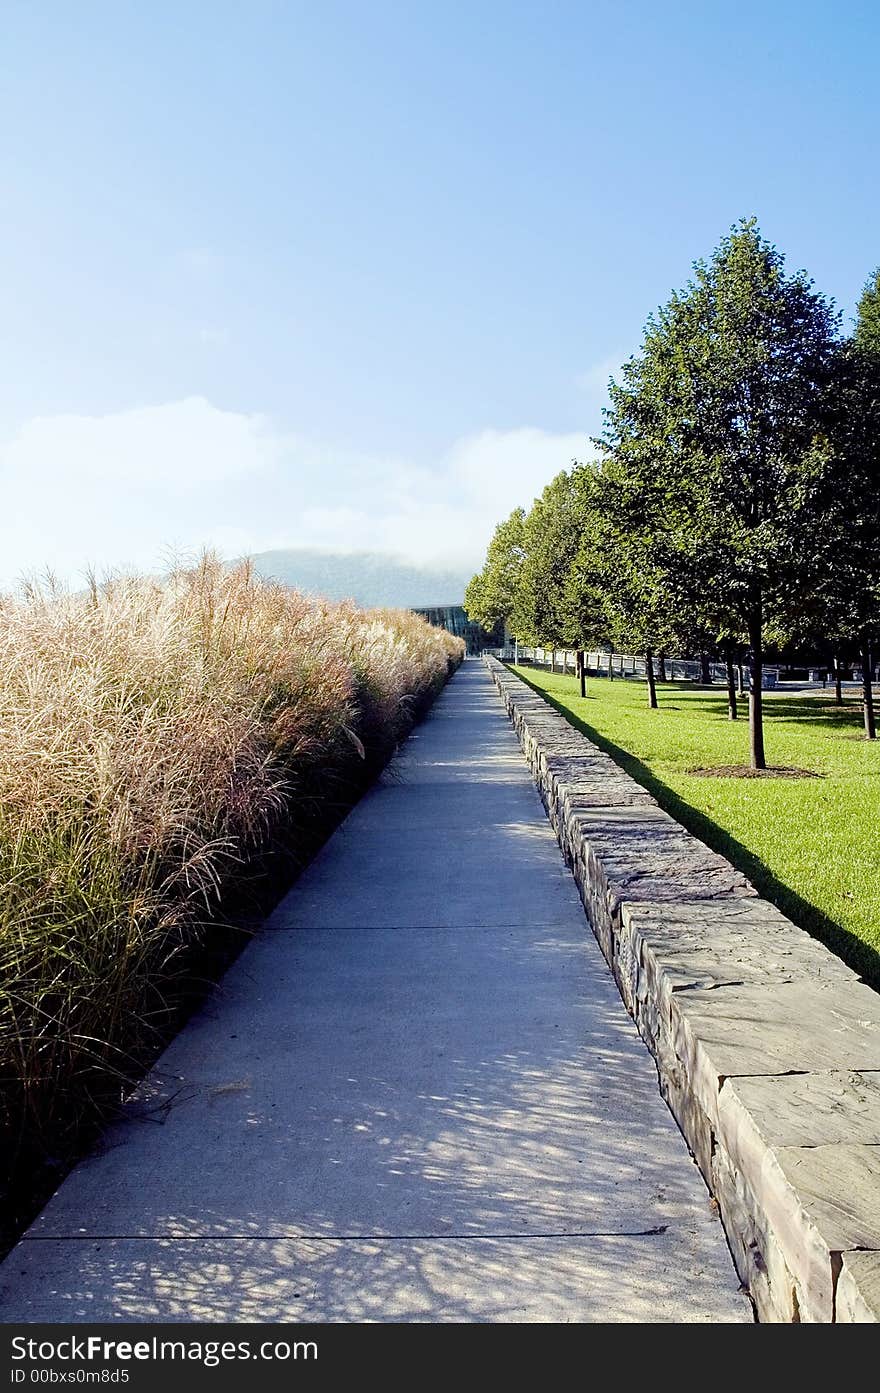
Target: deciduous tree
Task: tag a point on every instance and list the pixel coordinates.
(713, 426)
(491, 594)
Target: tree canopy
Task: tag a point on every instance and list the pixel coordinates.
(713, 433)
(737, 497)
(490, 595)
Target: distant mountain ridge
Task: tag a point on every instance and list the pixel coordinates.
(367, 577)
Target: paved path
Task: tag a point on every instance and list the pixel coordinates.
(417, 1096)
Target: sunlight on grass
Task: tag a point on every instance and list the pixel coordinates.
(809, 845)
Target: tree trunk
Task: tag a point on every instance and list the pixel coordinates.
(731, 688)
(661, 667)
(868, 695)
(649, 673)
(611, 665)
(741, 675)
(838, 682)
(705, 670)
(582, 671)
(756, 694)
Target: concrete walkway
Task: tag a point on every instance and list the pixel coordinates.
(417, 1096)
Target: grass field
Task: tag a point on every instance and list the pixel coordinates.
(809, 845)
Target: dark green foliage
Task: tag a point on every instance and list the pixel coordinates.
(490, 595)
(713, 439)
(558, 602)
(867, 332)
(738, 497)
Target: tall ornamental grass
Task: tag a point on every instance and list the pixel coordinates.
(157, 737)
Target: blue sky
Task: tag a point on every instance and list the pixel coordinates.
(355, 274)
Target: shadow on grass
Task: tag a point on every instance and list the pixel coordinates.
(858, 955)
(819, 708)
(815, 710)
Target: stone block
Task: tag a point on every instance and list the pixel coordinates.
(759, 1261)
(793, 1027)
(721, 943)
(767, 1046)
(818, 1200)
(644, 854)
(858, 1289)
(818, 1109)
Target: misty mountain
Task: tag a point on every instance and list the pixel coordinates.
(367, 577)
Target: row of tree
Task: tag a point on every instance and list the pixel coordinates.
(736, 497)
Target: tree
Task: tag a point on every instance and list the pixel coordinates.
(585, 599)
(644, 610)
(714, 426)
(842, 602)
(867, 331)
(865, 426)
(557, 605)
(549, 544)
(863, 402)
(491, 595)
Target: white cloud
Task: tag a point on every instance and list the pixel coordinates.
(183, 444)
(513, 465)
(122, 489)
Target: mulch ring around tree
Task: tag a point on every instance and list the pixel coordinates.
(744, 771)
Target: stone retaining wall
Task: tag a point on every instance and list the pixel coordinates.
(767, 1046)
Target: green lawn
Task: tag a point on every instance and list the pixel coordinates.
(812, 846)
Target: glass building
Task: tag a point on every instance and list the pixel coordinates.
(454, 619)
